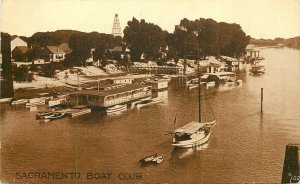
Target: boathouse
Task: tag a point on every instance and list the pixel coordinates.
(158, 84)
(121, 80)
(107, 98)
(169, 70)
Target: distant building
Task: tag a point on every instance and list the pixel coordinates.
(20, 53)
(116, 29)
(120, 81)
(118, 52)
(50, 54)
(65, 48)
(107, 98)
(158, 84)
(17, 41)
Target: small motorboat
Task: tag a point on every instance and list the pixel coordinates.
(116, 108)
(19, 102)
(144, 103)
(257, 69)
(152, 159)
(55, 115)
(41, 115)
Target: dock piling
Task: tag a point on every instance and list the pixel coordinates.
(261, 99)
(290, 172)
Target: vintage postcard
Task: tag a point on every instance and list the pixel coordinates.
(149, 91)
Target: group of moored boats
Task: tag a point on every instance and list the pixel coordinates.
(212, 79)
(138, 104)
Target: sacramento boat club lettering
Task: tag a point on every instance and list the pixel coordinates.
(78, 176)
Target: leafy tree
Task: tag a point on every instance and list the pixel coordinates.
(82, 44)
(213, 38)
(143, 37)
(49, 70)
(22, 74)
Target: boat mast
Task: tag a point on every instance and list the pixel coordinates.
(199, 90)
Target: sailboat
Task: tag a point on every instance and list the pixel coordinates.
(194, 133)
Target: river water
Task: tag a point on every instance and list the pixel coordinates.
(245, 145)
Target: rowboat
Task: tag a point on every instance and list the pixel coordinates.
(116, 108)
(19, 102)
(154, 159)
(41, 115)
(55, 115)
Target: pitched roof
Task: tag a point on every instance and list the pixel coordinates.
(190, 128)
(15, 36)
(110, 92)
(64, 47)
(21, 49)
(116, 49)
(54, 49)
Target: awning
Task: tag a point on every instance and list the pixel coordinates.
(190, 128)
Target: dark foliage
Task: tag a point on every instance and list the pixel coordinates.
(22, 74)
(143, 37)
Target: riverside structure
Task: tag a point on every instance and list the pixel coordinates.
(108, 98)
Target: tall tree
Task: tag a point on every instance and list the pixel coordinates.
(143, 37)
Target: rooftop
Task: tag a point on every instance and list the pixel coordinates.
(190, 128)
(21, 49)
(112, 91)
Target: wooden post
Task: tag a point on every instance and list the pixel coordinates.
(290, 172)
(261, 99)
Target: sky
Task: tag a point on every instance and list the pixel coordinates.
(258, 18)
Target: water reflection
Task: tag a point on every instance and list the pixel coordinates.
(183, 153)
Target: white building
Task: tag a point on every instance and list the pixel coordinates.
(17, 42)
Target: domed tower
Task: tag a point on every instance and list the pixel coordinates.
(116, 29)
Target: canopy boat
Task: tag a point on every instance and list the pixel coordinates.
(257, 69)
(116, 108)
(191, 135)
(194, 133)
(194, 83)
(152, 159)
(55, 115)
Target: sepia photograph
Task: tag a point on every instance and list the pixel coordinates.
(149, 91)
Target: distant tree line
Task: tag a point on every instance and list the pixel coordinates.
(190, 39)
(290, 42)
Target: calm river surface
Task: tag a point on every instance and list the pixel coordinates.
(245, 146)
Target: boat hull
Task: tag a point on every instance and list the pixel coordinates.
(193, 143)
(117, 108)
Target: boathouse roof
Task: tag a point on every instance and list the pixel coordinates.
(104, 93)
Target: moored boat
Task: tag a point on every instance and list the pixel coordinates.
(116, 108)
(191, 135)
(19, 102)
(55, 115)
(257, 69)
(194, 133)
(144, 103)
(152, 159)
(41, 115)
